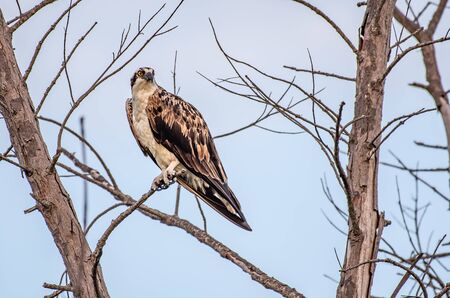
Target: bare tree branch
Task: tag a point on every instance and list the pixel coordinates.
(436, 18)
(430, 146)
(329, 21)
(444, 290)
(396, 264)
(347, 187)
(58, 287)
(322, 73)
(440, 194)
(97, 253)
(61, 69)
(88, 144)
(173, 220)
(28, 14)
(401, 120)
(38, 48)
(405, 52)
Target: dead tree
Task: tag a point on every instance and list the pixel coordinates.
(51, 198)
(360, 137)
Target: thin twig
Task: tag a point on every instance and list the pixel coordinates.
(54, 294)
(402, 212)
(355, 230)
(97, 253)
(31, 209)
(443, 291)
(85, 184)
(57, 287)
(329, 21)
(404, 118)
(408, 8)
(2, 157)
(327, 193)
(88, 144)
(322, 73)
(328, 111)
(28, 14)
(401, 121)
(101, 214)
(430, 145)
(202, 214)
(403, 260)
(405, 52)
(177, 200)
(42, 40)
(333, 224)
(279, 131)
(263, 116)
(174, 77)
(61, 69)
(18, 7)
(66, 72)
(396, 264)
(406, 38)
(404, 167)
(405, 277)
(174, 73)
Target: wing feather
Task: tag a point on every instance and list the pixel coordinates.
(181, 129)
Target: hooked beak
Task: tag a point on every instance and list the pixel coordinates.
(148, 76)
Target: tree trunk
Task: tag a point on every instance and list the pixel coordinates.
(362, 244)
(434, 87)
(51, 198)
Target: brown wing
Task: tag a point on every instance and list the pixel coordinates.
(129, 110)
(180, 127)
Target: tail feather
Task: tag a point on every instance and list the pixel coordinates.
(211, 197)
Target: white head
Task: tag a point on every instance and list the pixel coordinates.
(143, 78)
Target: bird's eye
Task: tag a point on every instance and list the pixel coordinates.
(140, 73)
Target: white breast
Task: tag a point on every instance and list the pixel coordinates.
(143, 131)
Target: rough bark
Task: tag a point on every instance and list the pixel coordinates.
(52, 200)
(362, 243)
(433, 76)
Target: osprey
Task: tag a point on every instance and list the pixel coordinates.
(173, 133)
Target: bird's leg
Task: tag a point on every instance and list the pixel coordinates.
(169, 173)
(166, 178)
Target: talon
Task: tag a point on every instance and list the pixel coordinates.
(167, 177)
(157, 182)
(171, 175)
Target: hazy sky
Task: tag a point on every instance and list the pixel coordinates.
(276, 177)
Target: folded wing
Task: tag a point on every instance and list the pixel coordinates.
(181, 129)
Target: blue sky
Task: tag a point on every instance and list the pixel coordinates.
(276, 177)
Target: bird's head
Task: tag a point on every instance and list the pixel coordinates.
(143, 77)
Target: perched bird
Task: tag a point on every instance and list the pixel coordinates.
(173, 133)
